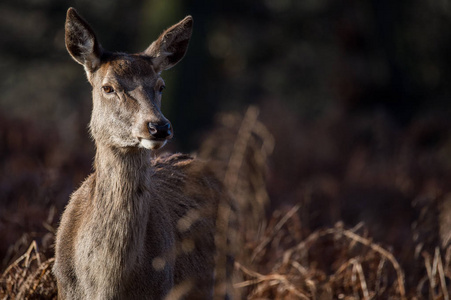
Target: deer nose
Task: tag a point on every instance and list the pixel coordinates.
(159, 131)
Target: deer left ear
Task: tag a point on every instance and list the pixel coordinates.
(171, 46)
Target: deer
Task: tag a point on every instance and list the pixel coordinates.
(139, 226)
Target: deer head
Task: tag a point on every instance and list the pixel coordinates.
(127, 88)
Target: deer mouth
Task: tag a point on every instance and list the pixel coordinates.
(152, 144)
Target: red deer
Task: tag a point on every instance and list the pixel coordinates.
(138, 227)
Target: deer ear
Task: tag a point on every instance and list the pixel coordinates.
(171, 46)
(81, 42)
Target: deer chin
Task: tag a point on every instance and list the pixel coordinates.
(151, 144)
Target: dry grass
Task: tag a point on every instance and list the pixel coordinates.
(29, 277)
(279, 256)
(358, 269)
(338, 263)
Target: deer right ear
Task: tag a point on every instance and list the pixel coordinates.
(81, 42)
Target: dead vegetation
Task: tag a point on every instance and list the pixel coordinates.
(282, 252)
(29, 277)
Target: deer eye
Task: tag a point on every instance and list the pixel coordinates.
(107, 89)
(161, 89)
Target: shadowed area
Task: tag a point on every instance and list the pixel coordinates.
(340, 168)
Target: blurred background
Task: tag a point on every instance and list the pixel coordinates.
(356, 95)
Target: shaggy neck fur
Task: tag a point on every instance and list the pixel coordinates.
(120, 215)
(121, 173)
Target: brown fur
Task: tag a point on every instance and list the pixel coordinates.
(137, 228)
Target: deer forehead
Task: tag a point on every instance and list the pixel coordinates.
(128, 71)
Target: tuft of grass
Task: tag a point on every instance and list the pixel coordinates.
(335, 263)
(29, 277)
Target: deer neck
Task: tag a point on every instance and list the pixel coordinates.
(121, 196)
(122, 174)
(116, 228)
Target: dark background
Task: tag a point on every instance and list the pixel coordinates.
(356, 94)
